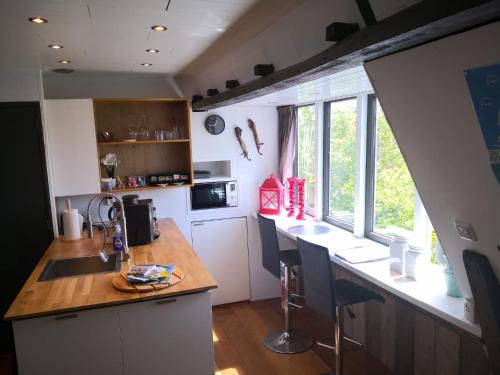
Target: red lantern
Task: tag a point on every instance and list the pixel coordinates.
(271, 196)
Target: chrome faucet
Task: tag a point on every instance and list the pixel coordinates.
(125, 253)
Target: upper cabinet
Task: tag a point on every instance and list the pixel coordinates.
(72, 146)
(151, 139)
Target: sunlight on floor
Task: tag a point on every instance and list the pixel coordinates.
(228, 371)
(214, 337)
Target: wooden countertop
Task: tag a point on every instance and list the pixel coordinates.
(90, 291)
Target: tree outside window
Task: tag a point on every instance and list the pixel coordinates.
(306, 153)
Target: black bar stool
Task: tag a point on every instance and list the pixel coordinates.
(288, 341)
(328, 296)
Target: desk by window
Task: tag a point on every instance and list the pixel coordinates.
(428, 294)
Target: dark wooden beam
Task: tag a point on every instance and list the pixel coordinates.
(212, 92)
(263, 70)
(366, 12)
(420, 23)
(196, 98)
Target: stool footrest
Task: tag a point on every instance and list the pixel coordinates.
(295, 305)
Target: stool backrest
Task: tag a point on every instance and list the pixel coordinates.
(319, 288)
(270, 245)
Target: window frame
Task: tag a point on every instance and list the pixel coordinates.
(371, 159)
(308, 210)
(326, 163)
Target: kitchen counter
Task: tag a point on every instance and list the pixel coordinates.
(91, 291)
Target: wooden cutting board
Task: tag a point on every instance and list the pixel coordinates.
(120, 282)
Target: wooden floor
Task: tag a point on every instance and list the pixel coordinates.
(238, 331)
(237, 334)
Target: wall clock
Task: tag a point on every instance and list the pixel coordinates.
(215, 124)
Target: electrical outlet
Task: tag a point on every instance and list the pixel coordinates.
(465, 231)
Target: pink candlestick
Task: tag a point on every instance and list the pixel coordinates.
(301, 195)
(291, 195)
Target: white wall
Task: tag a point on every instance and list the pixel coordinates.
(82, 85)
(425, 97)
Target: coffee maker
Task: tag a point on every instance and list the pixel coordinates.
(141, 220)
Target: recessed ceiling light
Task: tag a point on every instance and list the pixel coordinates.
(146, 64)
(158, 28)
(55, 46)
(151, 50)
(38, 20)
(65, 61)
(60, 70)
(220, 30)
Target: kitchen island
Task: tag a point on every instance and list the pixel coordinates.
(82, 325)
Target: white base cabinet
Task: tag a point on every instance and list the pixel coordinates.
(223, 247)
(80, 343)
(154, 341)
(165, 336)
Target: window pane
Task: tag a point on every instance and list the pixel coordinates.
(342, 159)
(305, 155)
(394, 189)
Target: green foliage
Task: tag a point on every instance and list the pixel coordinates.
(305, 157)
(342, 159)
(394, 189)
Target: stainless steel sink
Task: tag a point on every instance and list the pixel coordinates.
(308, 229)
(68, 267)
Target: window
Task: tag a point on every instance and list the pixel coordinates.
(377, 201)
(340, 160)
(390, 189)
(306, 120)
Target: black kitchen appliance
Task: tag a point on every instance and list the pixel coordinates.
(217, 194)
(141, 219)
(140, 222)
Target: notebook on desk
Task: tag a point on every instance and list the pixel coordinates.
(361, 254)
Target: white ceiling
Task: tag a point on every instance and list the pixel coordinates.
(339, 85)
(112, 35)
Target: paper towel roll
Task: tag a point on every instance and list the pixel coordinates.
(71, 223)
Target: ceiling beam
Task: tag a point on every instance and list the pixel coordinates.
(420, 23)
(366, 12)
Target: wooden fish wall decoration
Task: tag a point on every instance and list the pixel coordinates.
(253, 128)
(238, 132)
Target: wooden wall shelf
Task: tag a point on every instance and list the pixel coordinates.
(145, 188)
(131, 143)
(145, 157)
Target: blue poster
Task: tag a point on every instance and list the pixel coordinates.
(484, 87)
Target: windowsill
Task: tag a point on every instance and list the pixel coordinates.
(428, 293)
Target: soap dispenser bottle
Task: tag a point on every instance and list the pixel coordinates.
(118, 239)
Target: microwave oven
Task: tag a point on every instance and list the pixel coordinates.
(217, 194)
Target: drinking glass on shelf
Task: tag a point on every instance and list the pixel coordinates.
(170, 134)
(160, 135)
(132, 134)
(143, 134)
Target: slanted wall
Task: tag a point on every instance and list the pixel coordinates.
(425, 97)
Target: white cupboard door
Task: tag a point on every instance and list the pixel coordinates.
(222, 247)
(80, 343)
(72, 146)
(169, 336)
